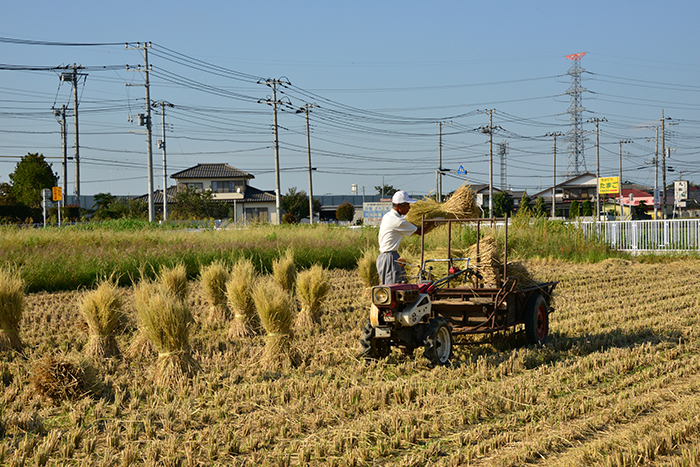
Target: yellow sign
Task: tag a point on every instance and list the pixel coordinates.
(607, 185)
(57, 193)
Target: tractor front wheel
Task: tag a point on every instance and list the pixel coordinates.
(372, 348)
(439, 343)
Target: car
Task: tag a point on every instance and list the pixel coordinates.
(606, 216)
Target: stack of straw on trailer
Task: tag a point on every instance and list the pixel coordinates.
(489, 262)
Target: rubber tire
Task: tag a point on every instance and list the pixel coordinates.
(536, 320)
(372, 348)
(439, 344)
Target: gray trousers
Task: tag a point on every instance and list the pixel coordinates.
(390, 272)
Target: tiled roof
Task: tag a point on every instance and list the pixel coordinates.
(251, 195)
(211, 171)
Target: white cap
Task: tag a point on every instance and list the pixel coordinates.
(402, 197)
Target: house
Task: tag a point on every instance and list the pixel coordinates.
(579, 188)
(229, 185)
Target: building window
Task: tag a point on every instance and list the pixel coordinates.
(256, 215)
(227, 186)
(195, 186)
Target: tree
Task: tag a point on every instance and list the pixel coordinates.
(32, 174)
(191, 203)
(540, 208)
(385, 190)
(6, 196)
(502, 204)
(587, 208)
(573, 210)
(296, 203)
(103, 200)
(524, 201)
(345, 212)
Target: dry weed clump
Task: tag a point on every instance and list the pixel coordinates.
(240, 300)
(11, 305)
(367, 267)
(58, 379)
(312, 290)
(102, 310)
(166, 321)
(284, 271)
(276, 311)
(213, 278)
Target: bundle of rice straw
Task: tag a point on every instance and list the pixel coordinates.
(284, 270)
(166, 321)
(11, 305)
(58, 379)
(213, 279)
(487, 263)
(367, 267)
(174, 281)
(276, 311)
(240, 299)
(102, 310)
(312, 290)
(461, 205)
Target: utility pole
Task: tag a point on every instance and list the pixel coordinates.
(663, 159)
(149, 145)
(305, 110)
(440, 170)
(620, 180)
(489, 130)
(163, 105)
(272, 83)
(64, 147)
(597, 163)
(554, 170)
(72, 77)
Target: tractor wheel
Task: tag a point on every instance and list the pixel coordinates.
(536, 320)
(372, 348)
(438, 343)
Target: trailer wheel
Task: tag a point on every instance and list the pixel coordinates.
(438, 343)
(536, 320)
(372, 348)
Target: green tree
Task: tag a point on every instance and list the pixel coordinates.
(573, 210)
(587, 208)
(502, 204)
(540, 208)
(32, 174)
(345, 212)
(385, 190)
(191, 203)
(524, 201)
(6, 196)
(103, 200)
(296, 203)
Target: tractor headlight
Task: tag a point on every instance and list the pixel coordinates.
(381, 296)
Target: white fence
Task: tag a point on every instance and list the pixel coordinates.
(673, 235)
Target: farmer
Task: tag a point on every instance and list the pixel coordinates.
(393, 227)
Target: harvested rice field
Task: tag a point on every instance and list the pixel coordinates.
(618, 384)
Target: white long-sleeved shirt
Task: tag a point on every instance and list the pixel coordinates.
(392, 229)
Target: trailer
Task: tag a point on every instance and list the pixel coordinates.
(431, 312)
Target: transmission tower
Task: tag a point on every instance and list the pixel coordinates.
(577, 162)
(503, 152)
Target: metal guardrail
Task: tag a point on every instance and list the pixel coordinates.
(671, 235)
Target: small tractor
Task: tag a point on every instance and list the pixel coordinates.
(429, 313)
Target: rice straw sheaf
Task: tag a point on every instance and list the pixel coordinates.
(367, 267)
(488, 261)
(166, 320)
(174, 280)
(240, 299)
(461, 205)
(276, 311)
(58, 379)
(11, 304)
(102, 310)
(312, 290)
(284, 270)
(213, 278)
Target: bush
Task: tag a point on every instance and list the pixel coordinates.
(345, 212)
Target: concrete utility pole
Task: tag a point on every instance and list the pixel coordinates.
(620, 180)
(64, 147)
(440, 170)
(272, 83)
(72, 77)
(554, 170)
(163, 105)
(663, 160)
(305, 110)
(147, 122)
(489, 131)
(597, 163)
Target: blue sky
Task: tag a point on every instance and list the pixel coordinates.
(381, 74)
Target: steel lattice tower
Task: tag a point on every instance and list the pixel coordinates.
(577, 162)
(503, 153)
